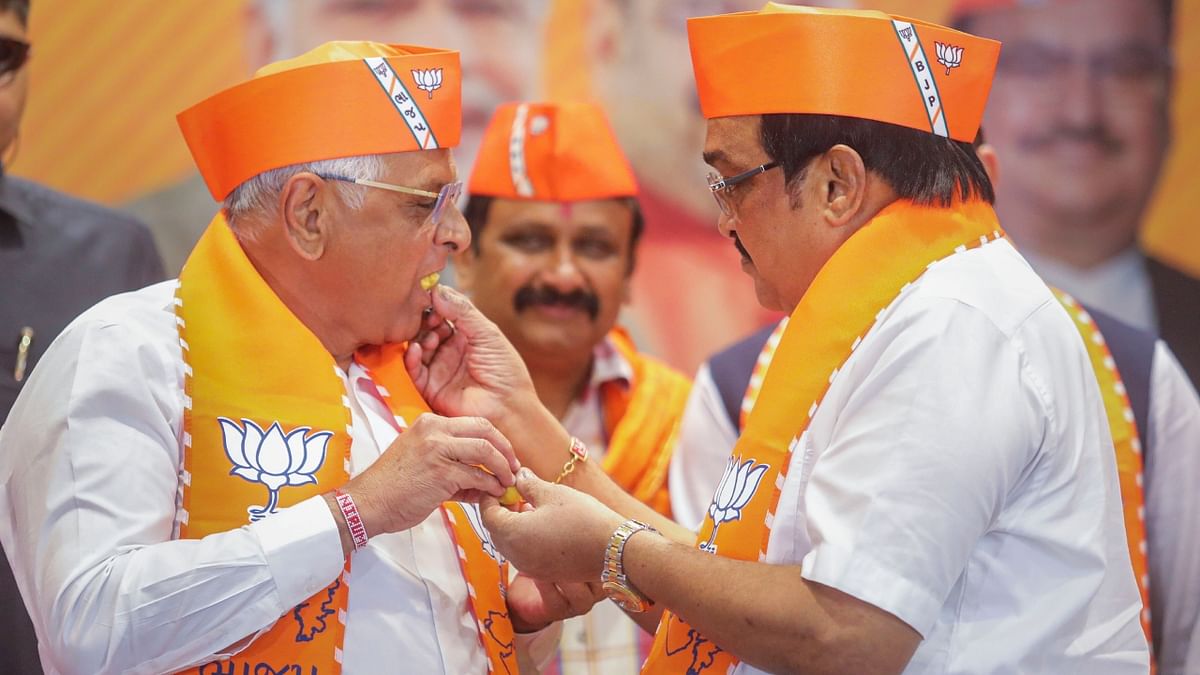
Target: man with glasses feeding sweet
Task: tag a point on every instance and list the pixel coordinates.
(233, 471)
(929, 430)
(58, 256)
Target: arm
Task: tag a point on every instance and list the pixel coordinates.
(1173, 515)
(90, 458)
(940, 455)
(90, 461)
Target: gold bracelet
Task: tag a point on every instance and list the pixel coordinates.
(579, 453)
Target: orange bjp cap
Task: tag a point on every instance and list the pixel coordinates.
(560, 152)
(852, 63)
(341, 99)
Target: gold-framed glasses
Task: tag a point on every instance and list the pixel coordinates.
(447, 195)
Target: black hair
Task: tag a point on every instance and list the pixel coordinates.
(918, 165)
(478, 208)
(18, 7)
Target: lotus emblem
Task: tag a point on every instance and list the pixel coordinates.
(734, 492)
(272, 458)
(485, 537)
(429, 80)
(948, 55)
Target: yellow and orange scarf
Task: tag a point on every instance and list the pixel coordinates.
(267, 425)
(642, 421)
(839, 308)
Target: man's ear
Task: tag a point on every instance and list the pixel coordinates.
(843, 184)
(303, 205)
(991, 164)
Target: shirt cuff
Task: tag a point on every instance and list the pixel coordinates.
(535, 651)
(303, 549)
(874, 583)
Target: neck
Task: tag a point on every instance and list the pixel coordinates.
(559, 381)
(302, 299)
(1081, 241)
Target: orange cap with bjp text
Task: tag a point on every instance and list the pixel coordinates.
(341, 99)
(559, 152)
(851, 63)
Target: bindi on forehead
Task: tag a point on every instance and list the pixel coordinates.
(566, 210)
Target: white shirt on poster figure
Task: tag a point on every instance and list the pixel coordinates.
(959, 475)
(89, 466)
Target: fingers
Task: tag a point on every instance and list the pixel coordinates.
(496, 518)
(481, 428)
(534, 490)
(473, 478)
(578, 596)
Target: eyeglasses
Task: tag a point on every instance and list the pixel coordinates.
(722, 187)
(13, 55)
(447, 195)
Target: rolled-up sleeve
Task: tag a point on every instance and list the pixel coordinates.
(89, 461)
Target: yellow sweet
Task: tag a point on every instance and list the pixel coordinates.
(510, 497)
(429, 281)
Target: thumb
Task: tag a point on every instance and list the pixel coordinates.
(455, 307)
(534, 490)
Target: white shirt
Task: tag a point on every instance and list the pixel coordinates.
(959, 475)
(1119, 286)
(89, 465)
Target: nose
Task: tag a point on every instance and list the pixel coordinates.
(452, 230)
(726, 225)
(1080, 96)
(563, 273)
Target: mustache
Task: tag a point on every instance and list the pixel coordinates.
(528, 296)
(737, 243)
(1096, 134)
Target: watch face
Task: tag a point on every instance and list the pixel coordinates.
(624, 597)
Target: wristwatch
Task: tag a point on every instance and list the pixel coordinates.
(616, 585)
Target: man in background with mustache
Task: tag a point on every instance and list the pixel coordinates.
(555, 222)
(1080, 112)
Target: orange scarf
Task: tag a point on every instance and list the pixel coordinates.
(266, 425)
(642, 421)
(1128, 448)
(862, 278)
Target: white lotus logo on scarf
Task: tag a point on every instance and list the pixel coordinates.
(429, 80)
(949, 55)
(734, 492)
(273, 458)
(485, 537)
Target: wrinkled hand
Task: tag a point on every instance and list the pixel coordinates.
(435, 460)
(462, 364)
(534, 604)
(561, 539)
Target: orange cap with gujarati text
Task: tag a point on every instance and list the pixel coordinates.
(341, 99)
(559, 152)
(852, 63)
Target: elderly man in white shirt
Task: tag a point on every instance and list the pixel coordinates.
(140, 547)
(927, 483)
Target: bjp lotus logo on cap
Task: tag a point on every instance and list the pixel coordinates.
(429, 79)
(272, 458)
(949, 55)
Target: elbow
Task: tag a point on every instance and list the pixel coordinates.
(77, 639)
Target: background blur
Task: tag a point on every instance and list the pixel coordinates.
(108, 78)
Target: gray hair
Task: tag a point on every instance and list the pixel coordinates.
(253, 204)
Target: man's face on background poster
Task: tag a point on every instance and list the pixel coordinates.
(1079, 108)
